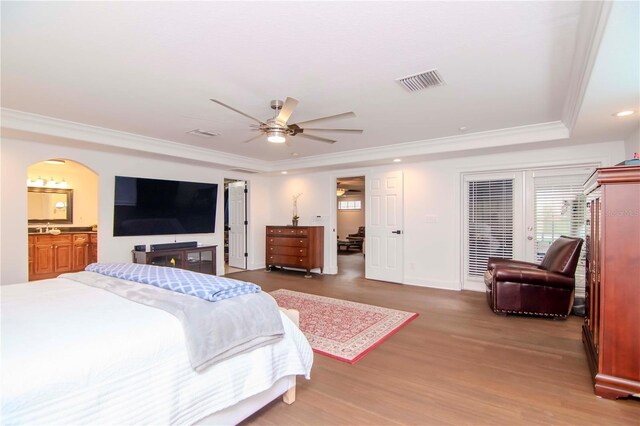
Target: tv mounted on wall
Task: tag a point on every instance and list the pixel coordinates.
(162, 207)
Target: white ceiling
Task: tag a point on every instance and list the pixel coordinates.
(149, 69)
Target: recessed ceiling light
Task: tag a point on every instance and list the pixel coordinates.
(284, 172)
(463, 128)
(397, 160)
(624, 113)
(54, 161)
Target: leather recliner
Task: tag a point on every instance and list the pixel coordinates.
(516, 287)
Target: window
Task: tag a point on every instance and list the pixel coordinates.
(560, 210)
(490, 223)
(350, 205)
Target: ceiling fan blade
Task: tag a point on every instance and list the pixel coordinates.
(334, 130)
(286, 111)
(343, 115)
(238, 111)
(255, 137)
(315, 138)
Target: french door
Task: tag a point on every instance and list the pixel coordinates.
(494, 222)
(518, 215)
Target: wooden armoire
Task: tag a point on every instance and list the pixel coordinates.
(611, 331)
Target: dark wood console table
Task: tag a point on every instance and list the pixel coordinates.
(196, 259)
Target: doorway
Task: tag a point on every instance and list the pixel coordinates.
(235, 225)
(62, 217)
(350, 225)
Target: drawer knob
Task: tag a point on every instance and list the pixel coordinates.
(300, 251)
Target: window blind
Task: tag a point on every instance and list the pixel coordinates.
(560, 210)
(490, 223)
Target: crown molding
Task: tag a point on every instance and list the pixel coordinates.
(40, 124)
(593, 22)
(541, 132)
(33, 123)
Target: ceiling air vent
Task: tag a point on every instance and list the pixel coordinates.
(243, 171)
(205, 133)
(421, 81)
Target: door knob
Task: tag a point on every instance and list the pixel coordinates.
(529, 238)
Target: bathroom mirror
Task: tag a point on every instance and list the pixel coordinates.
(50, 205)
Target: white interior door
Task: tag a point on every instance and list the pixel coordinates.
(237, 226)
(384, 227)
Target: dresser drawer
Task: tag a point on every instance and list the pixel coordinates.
(291, 251)
(281, 259)
(53, 239)
(80, 238)
(286, 230)
(287, 242)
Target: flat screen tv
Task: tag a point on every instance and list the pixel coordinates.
(162, 207)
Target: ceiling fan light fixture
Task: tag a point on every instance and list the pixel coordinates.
(276, 136)
(340, 192)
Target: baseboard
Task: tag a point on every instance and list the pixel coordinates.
(255, 266)
(475, 286)
(421, 282)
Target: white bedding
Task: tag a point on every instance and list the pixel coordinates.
(73, 354)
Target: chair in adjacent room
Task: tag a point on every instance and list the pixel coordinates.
(357, 238)
(547, 289)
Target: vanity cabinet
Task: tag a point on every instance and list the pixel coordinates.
(93, 248)
(295, 246)
(52, 255)
(80, 251)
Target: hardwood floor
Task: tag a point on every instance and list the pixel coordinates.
(457, 363)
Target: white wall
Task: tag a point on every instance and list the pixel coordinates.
(16, 157)
(432, 251)
(348, 221)
(632, 144)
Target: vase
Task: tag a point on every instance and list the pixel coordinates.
(294, 222)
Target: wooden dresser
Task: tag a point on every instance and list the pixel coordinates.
(611, 332)
(296, 247)
(52, 255)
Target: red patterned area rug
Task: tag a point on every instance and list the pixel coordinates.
(341, 329)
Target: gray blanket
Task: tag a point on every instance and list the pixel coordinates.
(213, 330)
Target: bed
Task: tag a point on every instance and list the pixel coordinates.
(76, 354)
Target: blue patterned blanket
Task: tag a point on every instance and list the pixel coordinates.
(207, 287)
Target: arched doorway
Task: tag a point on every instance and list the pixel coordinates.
(62, 209)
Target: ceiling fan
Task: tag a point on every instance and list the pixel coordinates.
(341, 191)
(277, 129)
